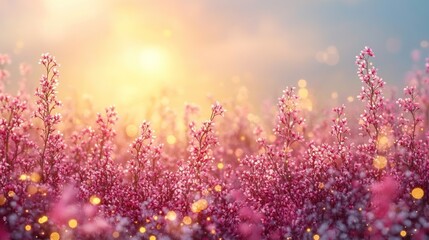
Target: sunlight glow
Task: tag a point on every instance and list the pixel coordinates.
(153, 60)
(131, 131)
(171, 139)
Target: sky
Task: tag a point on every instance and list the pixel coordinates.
(128, 53)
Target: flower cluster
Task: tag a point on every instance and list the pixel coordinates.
(224, 178)
(50, 155)
(371, 93)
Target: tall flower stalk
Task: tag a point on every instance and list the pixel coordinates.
(372, 119)
(51, 151)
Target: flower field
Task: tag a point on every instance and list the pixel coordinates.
(358, 172)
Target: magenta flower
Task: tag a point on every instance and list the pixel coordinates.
(334, 177)
(51, 152)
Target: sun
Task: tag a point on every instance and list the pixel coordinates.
(153, 60)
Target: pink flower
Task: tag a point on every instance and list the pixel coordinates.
(226, 179)
(288, 119)
(97, 226)
(383, 196)
(66, 208)
(4, 59)
(51, 152)
(373, 117)
(4, 233)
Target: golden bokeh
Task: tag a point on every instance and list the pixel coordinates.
(35, 177)
(171, 139)
(23, 177)
(383, 143)
(218, 188)
(417, 193)
(32, 189)
(55, 236)
(94, 200)
(171, 215)
(2, 199)
(307, 104)
(42, 219)
(72, 223)
(27, 227)
(302, 83)
(187, 220)
(115, 234)
(379, 162)
(303, 93)
(11, 194)
(199, 205)
(131, 130)
(220, 166)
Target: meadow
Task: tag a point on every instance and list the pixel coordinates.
(358, 172)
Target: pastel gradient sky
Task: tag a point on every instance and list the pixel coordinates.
(125, 52)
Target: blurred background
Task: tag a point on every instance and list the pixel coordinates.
(134, 53)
